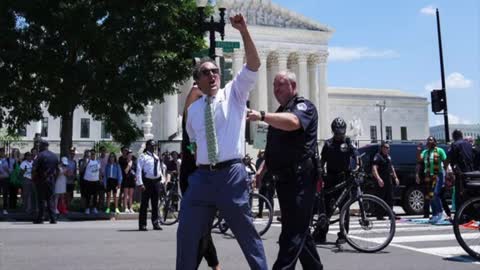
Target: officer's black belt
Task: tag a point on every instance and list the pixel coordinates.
(219, 166)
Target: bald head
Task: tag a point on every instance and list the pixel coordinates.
(285, 86)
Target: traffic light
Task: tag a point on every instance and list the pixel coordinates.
(438, 100)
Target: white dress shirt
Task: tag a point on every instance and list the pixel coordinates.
(146, 164)
(230, 114)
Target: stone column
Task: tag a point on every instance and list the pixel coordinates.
(302, 80)
(237, 61)
(282, 60)
(281, 65)
(323, 115)
(182, 96)
(271, 71)
(168, 115)
(262, 83)
(259, 95)
(313, 80)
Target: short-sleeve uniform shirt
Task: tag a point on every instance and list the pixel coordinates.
(286, 148)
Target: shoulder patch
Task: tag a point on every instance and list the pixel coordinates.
(302, 106)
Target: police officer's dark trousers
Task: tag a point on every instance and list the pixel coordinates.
(152, 189)
(224, 189)
(385, 193)
(45, 188)
(296, 191)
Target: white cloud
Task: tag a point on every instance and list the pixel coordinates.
(428, 10)
(351, 54)
(452, 119)
(455, 80)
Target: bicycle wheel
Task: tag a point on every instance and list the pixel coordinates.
(368, 223)
(261, 220)
(466, 227)
(169, 209)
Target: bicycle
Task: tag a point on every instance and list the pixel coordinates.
(358, 216)
(466, 224)
(169, 202)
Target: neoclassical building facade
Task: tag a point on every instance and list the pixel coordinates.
(284, 40)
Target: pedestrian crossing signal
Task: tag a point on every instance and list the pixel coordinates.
(438, 100)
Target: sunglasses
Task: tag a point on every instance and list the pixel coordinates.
(207, 71)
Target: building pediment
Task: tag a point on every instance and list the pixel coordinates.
(266, 13)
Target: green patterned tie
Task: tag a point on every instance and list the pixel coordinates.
(210, 133)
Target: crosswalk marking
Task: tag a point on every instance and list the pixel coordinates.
(410, 232)
(446, 251)
(407, 229)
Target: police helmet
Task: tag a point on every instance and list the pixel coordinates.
(339, 126)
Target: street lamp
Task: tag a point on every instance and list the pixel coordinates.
(381, 107)
(210, 25)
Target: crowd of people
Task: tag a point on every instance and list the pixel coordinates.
(105, 182)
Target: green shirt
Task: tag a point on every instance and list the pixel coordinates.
(428, 158)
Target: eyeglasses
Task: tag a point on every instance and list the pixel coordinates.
(207, 71)
(386, 147)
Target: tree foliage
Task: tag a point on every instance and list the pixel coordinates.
(110, 57)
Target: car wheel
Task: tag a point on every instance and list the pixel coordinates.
(413, 201)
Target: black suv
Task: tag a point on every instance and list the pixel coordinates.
(408, 194)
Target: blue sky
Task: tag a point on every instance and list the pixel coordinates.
(393, 45)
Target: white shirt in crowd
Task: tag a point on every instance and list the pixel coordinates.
(230, 112)
(27, 167)
(92, 171)
(145, 164)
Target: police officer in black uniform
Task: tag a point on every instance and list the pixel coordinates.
(460, 156)
(290, 155)
(383, 172)
(339, 155)
(149, 175)
(44, 176)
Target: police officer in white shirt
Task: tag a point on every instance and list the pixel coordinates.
(149, 179)
(216, 124)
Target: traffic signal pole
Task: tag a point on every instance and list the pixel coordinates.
(442, 70)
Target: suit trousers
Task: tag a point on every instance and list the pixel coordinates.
(151, 193)
(226, 190)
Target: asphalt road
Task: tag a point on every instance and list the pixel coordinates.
(118, 245)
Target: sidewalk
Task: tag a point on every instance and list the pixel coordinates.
(71, 216)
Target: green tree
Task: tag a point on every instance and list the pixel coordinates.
(110, 57)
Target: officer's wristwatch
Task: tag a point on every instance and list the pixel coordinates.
(262, 114)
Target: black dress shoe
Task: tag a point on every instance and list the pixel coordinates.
(37, 221)
(157, 227)
(142, 228)
(53, 221)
